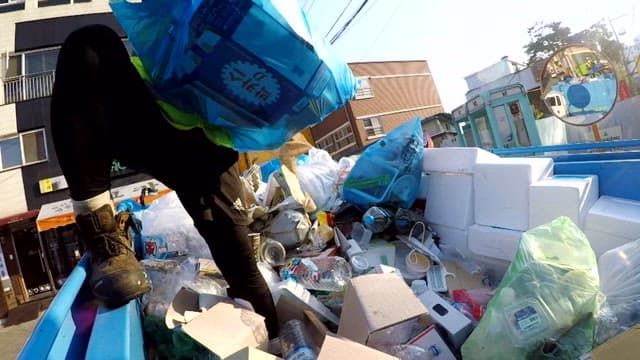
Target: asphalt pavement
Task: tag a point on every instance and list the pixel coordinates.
(12, 338)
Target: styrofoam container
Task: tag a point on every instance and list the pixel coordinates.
(449, 199)
(454, 159)
(493, 242)
(602, 242)
(616, 216)
(562, 195)
(452, 237)
(501, 190)
(454, 243)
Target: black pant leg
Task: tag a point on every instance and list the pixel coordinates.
(222, 220)
(102, 109)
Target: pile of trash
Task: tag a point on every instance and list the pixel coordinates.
(355, 269)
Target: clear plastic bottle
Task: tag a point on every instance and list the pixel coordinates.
(377, 219)
(331, 273)
(295, 343)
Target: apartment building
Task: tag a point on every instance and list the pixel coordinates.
(390, 93)
(31, 32)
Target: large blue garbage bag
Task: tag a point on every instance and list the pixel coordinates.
(252, 67)
(389, 171)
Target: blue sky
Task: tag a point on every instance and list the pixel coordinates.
(458, 38)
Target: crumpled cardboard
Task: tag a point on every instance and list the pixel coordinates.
(288, 154)
(225, 328)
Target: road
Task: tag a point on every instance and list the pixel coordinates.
(12, 338)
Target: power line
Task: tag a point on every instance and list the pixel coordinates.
(310, 6)
(346, 25)
(363, 14)
(339, 16)
(384, 26)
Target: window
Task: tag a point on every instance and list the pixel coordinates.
(41, 61)
(338, 140)
(10, 152)
(24, 149)
(364, 89)
(373, 126)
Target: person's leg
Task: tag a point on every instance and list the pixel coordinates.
(81, 135)
(99, 97)
(223, 221)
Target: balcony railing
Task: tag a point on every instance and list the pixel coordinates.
(28, 87)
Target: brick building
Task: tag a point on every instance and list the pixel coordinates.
(390, 93)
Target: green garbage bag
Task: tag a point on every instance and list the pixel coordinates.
(546, 302)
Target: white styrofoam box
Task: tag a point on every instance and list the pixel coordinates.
(454, 159)
(449, 199)
(493, 242)
(616, 216)
(424, 186)
(562, 195)
(501, 190)
(602, 242)
(452, 237)
(453, 242)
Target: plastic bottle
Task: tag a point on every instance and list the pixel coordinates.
(404, 219)
(330, 273)
(377, 219)
(295, 342)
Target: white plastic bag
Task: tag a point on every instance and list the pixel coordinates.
(318, 177)
(167, 229)
(619, 271)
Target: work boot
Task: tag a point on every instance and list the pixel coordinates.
(116, 276)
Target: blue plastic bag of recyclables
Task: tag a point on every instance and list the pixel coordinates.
(547, 302)
(389, 171)
(251, 67)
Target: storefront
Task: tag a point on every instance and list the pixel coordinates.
(56, 226)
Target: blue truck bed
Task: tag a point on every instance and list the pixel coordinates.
(75, 327)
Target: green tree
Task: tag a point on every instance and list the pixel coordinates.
(545, 40)
(598, 36)
(548, 38)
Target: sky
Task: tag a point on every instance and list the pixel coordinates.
(458, 38)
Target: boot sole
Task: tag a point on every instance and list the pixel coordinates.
(124, 297)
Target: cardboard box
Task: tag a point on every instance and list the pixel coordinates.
(338, 348)
(493, 242)
(460, 160)
(449, 199)
(252, 354)
(562, 195)
(501, 190)
(432, 342)
(379, 308)
(224, 329)
(457, 326)
(625, 346)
